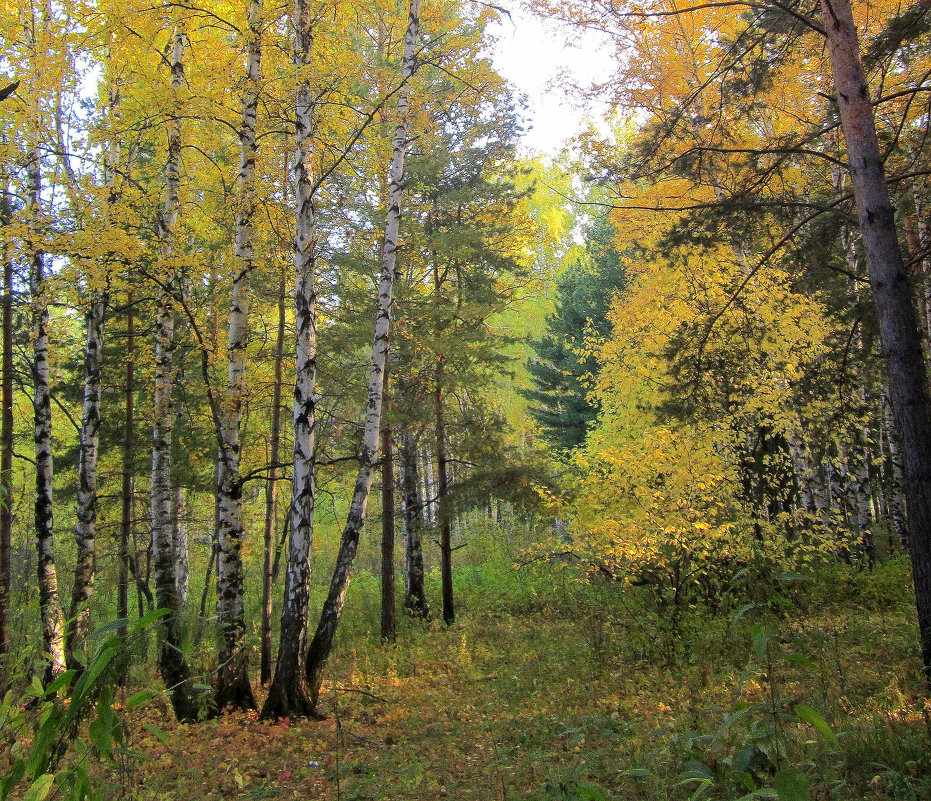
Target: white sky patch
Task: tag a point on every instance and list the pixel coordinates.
(542, 58)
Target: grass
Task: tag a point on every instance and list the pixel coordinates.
(556, 690)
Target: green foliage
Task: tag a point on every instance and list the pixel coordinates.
(46, 723)
(564, 365)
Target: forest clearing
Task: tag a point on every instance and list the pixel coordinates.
(349, 449)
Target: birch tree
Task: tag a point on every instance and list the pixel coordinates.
(171, 661)
(289, 693)
(233, 688)
(330, 615)
(49, 602)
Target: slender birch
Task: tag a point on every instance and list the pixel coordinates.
(330, 615)
(289, 693)
(171, 661)
(271, 494)
(388, 605)
(49, 602)
(233, 688)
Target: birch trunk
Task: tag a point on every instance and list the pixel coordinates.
(126, 486)
(896, 499)
(49, 603)
(415, 596)
(179, 542)
(171, 661)
(322, 643)
(289, 694)
(6, 433)
(388, 605)
(233, 688)
(898, 326)
(86, 529)
(271, 495)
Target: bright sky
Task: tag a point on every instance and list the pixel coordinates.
(534, 55)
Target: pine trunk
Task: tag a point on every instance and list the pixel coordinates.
(415, 596)
(892, 297)
(444, 512)
(332, 611)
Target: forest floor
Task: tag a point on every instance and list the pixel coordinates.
(575, 696)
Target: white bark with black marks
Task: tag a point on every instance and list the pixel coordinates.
(171, 661)
(288, 694)
(233, 688)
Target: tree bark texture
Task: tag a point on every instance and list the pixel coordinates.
(388, 604)
(86, 528)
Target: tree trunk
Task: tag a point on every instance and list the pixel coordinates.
(388, 606)
(330, 615)
(444, 512)
(415, 596)
(86, 529)
(179, 542)
(898, 326)
(233, 688)
(49, 603)
(126, 489)
(171, 661)
(271, 495)
(289, 694)
(896, 500)
(6, 433)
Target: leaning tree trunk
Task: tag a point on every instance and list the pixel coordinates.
(332, 611)
(892, 298)
(6, 433)
(171, 661)
(415, 596)
(86, 529)
(271, 495)
(233, 688)
(289, 694)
